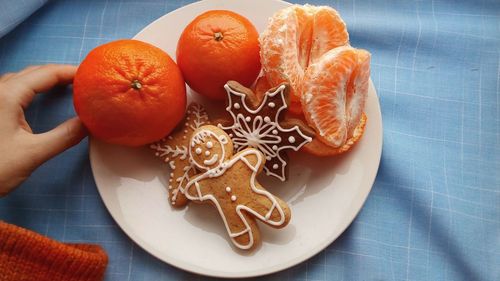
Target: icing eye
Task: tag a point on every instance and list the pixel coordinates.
(207, 153)
(198, 151)
(210, 144)
(223, 139)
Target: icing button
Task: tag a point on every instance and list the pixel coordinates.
(207, 153)
(271, 104)
(233, 198)
(228, 189)
(198, 151)
(275, 166)
(237, 105)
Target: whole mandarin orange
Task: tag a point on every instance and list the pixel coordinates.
(218, 46)
(129, 92)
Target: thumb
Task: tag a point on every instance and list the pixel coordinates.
(57, 140)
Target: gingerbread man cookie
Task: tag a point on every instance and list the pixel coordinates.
(174, 150)
(229, 182)
(258, 123)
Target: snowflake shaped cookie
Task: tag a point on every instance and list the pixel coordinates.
(257, 124)
(174, 150)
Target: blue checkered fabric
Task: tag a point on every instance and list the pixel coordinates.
(434, 211)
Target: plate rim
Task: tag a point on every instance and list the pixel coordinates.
(193, 268)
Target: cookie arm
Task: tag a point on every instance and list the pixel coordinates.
(253, 158)
(193, 190)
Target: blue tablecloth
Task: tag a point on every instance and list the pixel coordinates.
(434, 211)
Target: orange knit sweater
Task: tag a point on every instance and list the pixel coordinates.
(26, 255)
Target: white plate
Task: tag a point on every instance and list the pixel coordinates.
(325, 194)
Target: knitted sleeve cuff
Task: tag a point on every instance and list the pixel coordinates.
(26, 255)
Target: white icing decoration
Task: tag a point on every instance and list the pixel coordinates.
(233, 198)
(275, 147)
(275, 166)
(271, 104)
(207, 153)
(237, 105)
(166, 148)
(228, 189)
(262, 132)
(210, 144)
(241, 210)
(198, 150)
(173, 152)
(248, 119)
(212, 160)
(291, 139)
(223, 139)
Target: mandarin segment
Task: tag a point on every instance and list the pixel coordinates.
(295, 38)
(324, 94)
(334, 94)
(357, 90)
(319, 148)
(329, 32)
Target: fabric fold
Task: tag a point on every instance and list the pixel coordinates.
(26, 255)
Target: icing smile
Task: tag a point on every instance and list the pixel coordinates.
(212, 160)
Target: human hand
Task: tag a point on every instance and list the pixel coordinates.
(21, 151)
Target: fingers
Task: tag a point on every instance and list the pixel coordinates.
(64, 136)
(37, 79)
(27, 70)
(9, 75)
(45, 77)
(6, 76)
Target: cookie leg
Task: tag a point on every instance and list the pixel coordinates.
(270, 210)
(242, 229)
